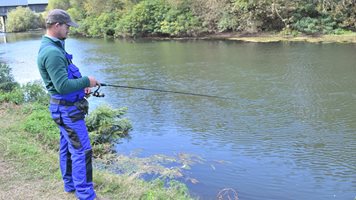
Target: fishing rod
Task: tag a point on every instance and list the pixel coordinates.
(96, 93)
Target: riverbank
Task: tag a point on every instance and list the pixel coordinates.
(257, 38)
(346, 38)
(268, 37)
(29, 170)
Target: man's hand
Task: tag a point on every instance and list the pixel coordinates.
(87, 90)
(93, 81)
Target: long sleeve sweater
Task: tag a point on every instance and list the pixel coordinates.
(53, 66)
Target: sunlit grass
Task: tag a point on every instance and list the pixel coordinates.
(35, 162)
(345, 38)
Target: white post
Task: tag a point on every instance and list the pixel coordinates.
(3, 24)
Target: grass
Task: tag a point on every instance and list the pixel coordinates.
(29, 169)
(264, 38)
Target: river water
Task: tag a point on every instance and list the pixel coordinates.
(290, 133)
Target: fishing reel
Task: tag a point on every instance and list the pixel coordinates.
(96, 93)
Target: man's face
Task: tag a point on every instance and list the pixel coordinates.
(62, 31)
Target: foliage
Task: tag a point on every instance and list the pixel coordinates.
(158, 17)
(144, 19)
(40, 124)
(177, 18)
(7, 82)
(100, 26)
(30, 92)
(60, 4)
(35, 92)
(15, 96)
(10, 90)
(22, 19)
(106, 124)
(214, 14)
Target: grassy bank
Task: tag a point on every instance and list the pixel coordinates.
(268, 37)
(35, 166)
(346, 38)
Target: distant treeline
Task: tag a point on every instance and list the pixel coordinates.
(177, 18)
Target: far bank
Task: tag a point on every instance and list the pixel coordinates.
(242, 37)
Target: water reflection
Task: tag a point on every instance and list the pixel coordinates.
(3, 38)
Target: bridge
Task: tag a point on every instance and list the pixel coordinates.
(7, 5)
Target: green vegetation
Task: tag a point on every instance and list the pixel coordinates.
(23, 19)
(177, 18)
(29, 139)
(7, 82)
(187, 18)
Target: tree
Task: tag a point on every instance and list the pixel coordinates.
(212, 13)
(22, 19)
(60, 4)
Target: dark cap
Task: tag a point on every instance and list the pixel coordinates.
(60, 16)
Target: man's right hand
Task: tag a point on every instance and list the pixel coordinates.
(93, 81)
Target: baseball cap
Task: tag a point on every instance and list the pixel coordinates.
(60, 16)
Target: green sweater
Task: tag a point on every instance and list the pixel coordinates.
(53, 66)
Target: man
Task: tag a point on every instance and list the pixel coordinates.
(67, 105)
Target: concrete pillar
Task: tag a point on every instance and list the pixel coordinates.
(3, 24)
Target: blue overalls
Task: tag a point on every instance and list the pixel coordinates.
(75, 148)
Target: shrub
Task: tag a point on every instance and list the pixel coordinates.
(307, 25)
(178, 22)
(16, 96)
(323, 24)
(61, 4)
(7, 82)
(34, 91)
(145, 18)
(158, 18)
(101, 26)
(40, 124)
(107, 125)
(22, 19)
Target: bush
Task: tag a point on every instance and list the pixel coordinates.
(101, 26)
(323, 24)
(40, 124)
(16, 96)
(34, 91)
(60, 4)
(7, 82)
(13, 93)
(10, 90)
(104, 124)
(178, 22)
(158, 18)
(144, 19)
(307, 25)
(107, 125)
(22, 19)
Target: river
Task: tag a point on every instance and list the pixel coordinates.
(290, 133)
